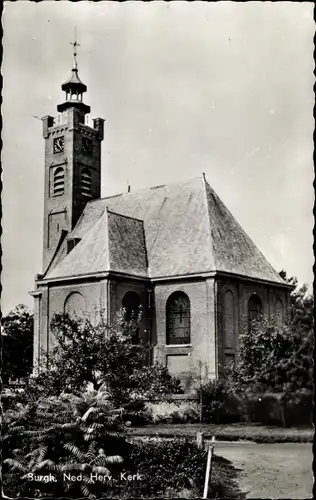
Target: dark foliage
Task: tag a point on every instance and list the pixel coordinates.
(17, 344)
(219, 405)
(101, 355)
(178, 464)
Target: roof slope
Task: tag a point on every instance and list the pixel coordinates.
(113, 243)
(127, 248)
(234, 251)
(176, 229)
(90, 255)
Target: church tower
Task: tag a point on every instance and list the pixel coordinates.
(72, 163)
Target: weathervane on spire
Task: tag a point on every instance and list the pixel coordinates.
(74, 87)
(75, 45)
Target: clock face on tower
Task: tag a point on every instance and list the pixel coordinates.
(87, 145)
(58, 145)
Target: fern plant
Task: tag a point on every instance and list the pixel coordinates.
(63, 435)
(87, 463)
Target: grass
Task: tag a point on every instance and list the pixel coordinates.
(230, 432)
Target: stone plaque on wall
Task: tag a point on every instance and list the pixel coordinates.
(178, 363)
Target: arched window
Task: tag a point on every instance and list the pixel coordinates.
(86, 182)
(59, 181)
(279, 313)
(178, 319)
(254, 309)
(131, 305)
(75, 305)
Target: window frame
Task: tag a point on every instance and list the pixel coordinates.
(172, 339)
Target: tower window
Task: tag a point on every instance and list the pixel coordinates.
(86, 183)
(59, 181)
(178, 319)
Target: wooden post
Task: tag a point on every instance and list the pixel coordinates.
(208, 467)
(200, 440)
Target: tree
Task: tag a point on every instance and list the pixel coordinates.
(278, 359)
(274, 359)
(101, 355)
(302, 304)
(17, 342)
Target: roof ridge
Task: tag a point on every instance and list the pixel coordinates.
(146, 188)
(210, 238)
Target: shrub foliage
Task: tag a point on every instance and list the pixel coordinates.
(97, 356)
(17, 344)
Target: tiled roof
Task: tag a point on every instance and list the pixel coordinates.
(127, 248)
(90, 255)
(234, 251)
(114, 242)
(177, 229)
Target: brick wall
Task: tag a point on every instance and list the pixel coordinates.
(183, 359)
(63, 211)
(242, 291)
(53, 300)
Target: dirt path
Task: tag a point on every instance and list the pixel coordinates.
(271, 470)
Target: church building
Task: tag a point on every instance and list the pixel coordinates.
(173, 249)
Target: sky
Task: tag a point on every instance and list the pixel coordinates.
(224, 88)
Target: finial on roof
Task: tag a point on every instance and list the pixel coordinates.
(128, 187)
(73, 87)
(75, 45)
(203, 176)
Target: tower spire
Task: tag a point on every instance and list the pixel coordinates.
(73, 87)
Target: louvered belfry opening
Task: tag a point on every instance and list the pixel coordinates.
(59, 181)
(86, 183)
(178, 319)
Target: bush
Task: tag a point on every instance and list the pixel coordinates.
(101, 355)
(219, 405)
(17, 344)
(60, 434)
(274, 408)
(187, 416)
(177, 465)
(300, 411)
(178, 410)
(137, 413)
(69, 439)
